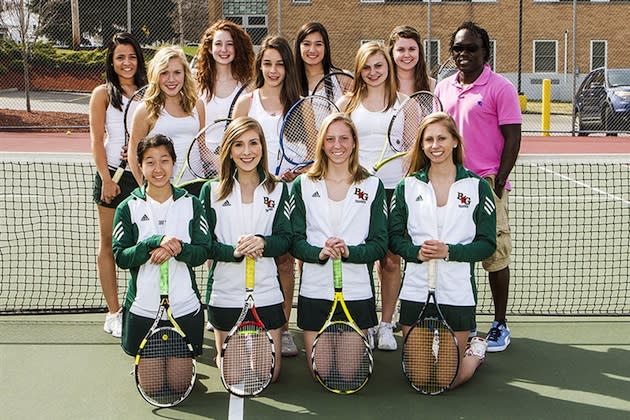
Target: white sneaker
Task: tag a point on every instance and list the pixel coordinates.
(289, 349)
(371, 337)
(113, 324)
(386, 340)
(209, 326)
(477, 348)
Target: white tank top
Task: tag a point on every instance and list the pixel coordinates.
(216, 107)
(115, 134)
(372, 131)
(271, 125)
(182, 131)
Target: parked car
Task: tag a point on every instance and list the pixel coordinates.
(602, 102)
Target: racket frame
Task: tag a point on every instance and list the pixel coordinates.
(123, 163)
(336, 74)
(432, 275)
(248, 307)
(247, 88)
(339, 300)
(155, 330)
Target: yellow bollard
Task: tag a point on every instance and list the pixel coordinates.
(546, 106)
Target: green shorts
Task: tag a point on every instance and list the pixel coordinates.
(127, 184)
(460, 318)
(313, 313)
(135, 328)
(223, 319)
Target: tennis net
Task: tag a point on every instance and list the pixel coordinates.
(570, 220)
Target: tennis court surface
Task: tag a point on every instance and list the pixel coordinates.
(569, 310)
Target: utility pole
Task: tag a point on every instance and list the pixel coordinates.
(76, 31)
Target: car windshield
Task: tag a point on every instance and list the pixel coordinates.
(619, 77)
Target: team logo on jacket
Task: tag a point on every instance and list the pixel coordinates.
(464, 200)
(226, 203)
(144, 218)
(316, 194)
(361, 196)
(269, 204)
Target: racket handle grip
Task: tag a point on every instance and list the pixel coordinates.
(250, 271)
(119, 172)
(432, 272)
(337, 276)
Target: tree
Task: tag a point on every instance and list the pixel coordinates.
(25, 27)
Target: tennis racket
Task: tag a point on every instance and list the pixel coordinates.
(430, 356)
(298, 133)
(404, 125)
(248, 87)
(334, 85)
(131, 106)
(202, 158)
(341, 359)
(165, 368)
(248, 355)
(447, 68)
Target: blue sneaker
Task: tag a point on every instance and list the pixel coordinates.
(498, 337)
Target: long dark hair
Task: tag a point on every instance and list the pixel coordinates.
(289, 93)
(421, 75)
(305, 30)
(114, 90)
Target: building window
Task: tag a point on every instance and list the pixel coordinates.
(301, 1)
(432, 55)
(492, 54)
(256, 26)
(546, 56)
(599, 53)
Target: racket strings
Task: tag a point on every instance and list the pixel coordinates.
(248, 361)
(405, 123)
(165, 369)
(342, 359)
(301, 127)
(430, 357)
(203, 154)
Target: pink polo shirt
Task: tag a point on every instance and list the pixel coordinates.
(478, 110)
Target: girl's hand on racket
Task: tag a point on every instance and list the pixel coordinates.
(334, 248)
(109, 190)
(289, 176)
(159, 255)
(250, 245)
(432, 249)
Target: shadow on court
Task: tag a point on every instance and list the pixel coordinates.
(61, 367)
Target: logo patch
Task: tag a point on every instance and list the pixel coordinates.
(464, 200)
(144, 218)
(226, 204)
(269, 204)
(316, 194)
(361, 196)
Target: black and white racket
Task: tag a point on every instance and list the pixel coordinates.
(447, 68)
(202, 158)
(247, 88)
(404, 125)
(165, 368)
(334, 85)
(131, 106)
(342, 359)
(430, 355)
(299, 130)
(248, 355)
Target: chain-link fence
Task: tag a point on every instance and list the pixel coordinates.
(531, 40)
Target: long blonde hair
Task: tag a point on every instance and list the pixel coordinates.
(319, 169)
(359, 90)
(154, 98)
(233, 132)
(417, 159)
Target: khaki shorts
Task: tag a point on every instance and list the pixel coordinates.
(502, 256)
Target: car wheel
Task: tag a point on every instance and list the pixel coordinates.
(608, 122)
(578, 127)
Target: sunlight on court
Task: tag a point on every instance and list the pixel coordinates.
(575, 396)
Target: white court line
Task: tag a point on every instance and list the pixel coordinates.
(583, 184)
(236, 405)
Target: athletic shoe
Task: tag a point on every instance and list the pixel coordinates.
(477, 348)
(498, 337)
(209, 326)
(289, 349)
(113, 324)
(371, 337)
(472, 333)
(386, 340)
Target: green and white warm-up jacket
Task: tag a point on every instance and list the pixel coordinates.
(226, 279)
(363, 228)
(469, 229)
(135, 235)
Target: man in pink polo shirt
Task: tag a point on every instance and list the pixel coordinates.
(486, 109)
